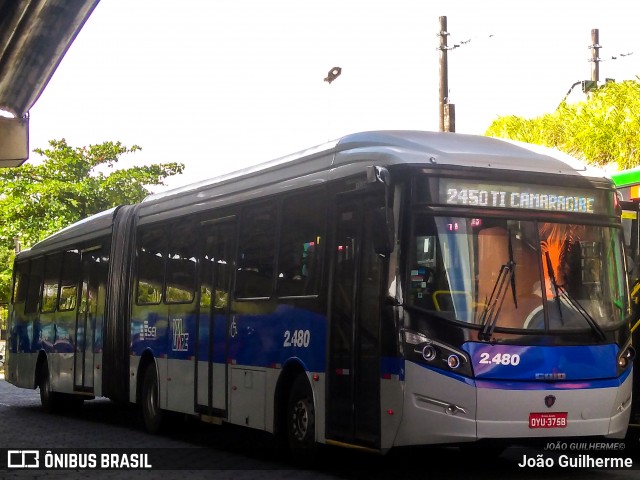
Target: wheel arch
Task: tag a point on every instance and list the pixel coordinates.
(147, 360)
(42, 360)
(290, 371)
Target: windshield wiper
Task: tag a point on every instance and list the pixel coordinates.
(561, 291)
(552, 277)
(491, 311)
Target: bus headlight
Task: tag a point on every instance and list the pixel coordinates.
(453, 361)
(424, 350)
(429, 352)
(625, 357)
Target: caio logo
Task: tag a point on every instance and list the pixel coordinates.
(549, 401)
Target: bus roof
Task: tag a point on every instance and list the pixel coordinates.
(86, 229)
(351, 154)
(432, 148)
(347, 156)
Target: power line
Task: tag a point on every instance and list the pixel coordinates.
(468, 41)
(613, 57)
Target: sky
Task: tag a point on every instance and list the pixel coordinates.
(221, 85)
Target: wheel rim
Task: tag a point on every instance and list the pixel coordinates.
(300, 420)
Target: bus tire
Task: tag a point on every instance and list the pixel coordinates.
(49, 399)
(301, 422)
(150, 401)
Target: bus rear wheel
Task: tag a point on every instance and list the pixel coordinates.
(150, 401)
(301, 422)
(49, 399)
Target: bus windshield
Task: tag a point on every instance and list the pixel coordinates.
(516, 274)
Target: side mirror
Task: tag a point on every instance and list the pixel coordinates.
(383, 231)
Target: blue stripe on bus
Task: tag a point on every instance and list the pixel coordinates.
(529, 363)
(577, 385)
(258, 339)
(392, 366)
(34, 335)
(532, 385)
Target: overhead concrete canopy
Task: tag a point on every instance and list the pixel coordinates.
(34, 37)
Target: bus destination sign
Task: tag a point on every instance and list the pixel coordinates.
(558, 199)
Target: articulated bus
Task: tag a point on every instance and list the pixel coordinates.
(387, 289)
(628, 184)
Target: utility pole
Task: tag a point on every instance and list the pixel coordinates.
(447, 110)
(595, 57)
(589, 85)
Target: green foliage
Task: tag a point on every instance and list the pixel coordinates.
(6, 264)
(71, 183)
(601, 130)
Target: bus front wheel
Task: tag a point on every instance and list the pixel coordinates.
(150, 401)
(301, 421)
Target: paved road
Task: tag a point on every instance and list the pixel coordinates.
(236, 453)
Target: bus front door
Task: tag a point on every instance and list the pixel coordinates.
(216, 271)
(353, 377)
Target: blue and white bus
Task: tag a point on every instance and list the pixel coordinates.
(387, 289)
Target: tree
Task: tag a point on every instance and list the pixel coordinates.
(69, 184)
(601, 130)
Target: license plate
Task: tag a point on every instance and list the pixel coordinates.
(548, 420)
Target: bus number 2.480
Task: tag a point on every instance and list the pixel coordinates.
(299, 338)
(500, 359)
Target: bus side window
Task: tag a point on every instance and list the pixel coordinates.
(21, 283)
(257, 252)
(151, 254)
(299, 259)
(181, 267)
(52, 266)
(35, 284)
(69, 281)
